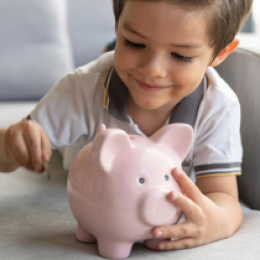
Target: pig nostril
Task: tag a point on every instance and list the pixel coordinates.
(166, 177)
(141, 180)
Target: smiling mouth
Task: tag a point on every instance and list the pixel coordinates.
(149, 87)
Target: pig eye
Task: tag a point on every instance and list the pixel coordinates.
(141, 180)
(166, 177)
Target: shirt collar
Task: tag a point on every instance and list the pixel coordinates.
(115, 96)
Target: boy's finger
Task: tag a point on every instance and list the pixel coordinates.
(33, 142)
(8, 148)
(20, 152)
(46, 147)
(176, 231)
(8, 156)
(187, 185)
(189, 207)
(177, 244)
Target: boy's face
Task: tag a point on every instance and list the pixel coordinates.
(161, 53)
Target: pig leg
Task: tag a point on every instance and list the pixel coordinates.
(84, 237)
(152, 243)
(114, 250)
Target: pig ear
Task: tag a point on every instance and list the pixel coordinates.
(177, 136)
(108, 144)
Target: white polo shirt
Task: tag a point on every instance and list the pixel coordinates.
(93, 94)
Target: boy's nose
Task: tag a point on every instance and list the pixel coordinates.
(154, 67)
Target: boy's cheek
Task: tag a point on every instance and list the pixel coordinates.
(124, 62)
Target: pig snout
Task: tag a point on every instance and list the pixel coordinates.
(156, 210)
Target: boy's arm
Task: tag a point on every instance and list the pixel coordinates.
(4, 165)
(223, 192)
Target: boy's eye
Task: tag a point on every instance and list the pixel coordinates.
(141, 46)
(181, 57)
(134, 44)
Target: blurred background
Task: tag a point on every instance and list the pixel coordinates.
(42, 40)
(253, 23)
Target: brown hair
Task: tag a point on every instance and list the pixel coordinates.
(228, 16)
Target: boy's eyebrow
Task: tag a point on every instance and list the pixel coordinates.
(180, 45)
(128, 28)
(187, 45)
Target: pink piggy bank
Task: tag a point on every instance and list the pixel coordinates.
(118, 183)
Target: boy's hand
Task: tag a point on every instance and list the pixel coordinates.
(205, 221)
(26, 144)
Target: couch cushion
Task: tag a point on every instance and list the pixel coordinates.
(36, 223)
(241, 71)
(12, 112)
(34, 47)
(91, 26)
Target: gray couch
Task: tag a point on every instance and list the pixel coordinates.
(36, 49)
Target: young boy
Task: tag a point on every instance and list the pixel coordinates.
(160, 73)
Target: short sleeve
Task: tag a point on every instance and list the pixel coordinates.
(62, 112)
(218, 149)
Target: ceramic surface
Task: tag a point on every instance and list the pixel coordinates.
(118, 183)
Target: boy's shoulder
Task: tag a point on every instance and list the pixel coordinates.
(218, 89)
(99, 65)
(90, 76)
(87, 79)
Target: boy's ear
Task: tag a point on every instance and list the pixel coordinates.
(224, 53)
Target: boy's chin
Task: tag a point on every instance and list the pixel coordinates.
(151, 106)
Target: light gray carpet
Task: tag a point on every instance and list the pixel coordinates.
(36, 223)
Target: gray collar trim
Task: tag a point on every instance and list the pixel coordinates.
(117, 94)
(185, 111)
